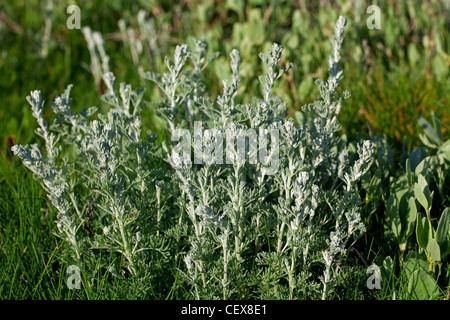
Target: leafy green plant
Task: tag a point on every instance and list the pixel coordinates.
(416, 208)
(405, 205)
(421, 184)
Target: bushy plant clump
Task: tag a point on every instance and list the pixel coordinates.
(234, 228)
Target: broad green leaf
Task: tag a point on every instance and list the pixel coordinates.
(433, 250)
(427, 142)
(420, 196)
(415, 157)
(407, 215)
(430, 132)
(409, 174)
(422, 232)
(412, 210)
(387, 268)
(429, 196)
(443, 233)
(447, 155)
(444, 151)
(437, 125)
(422, 182)
(398, 185)
(388, 264)
(400, 193)
(421, 286)
(393, 216)
(414, 262)
(445, 147)
(443, 229)
(424, 167)
(410, 215)
(422, 192)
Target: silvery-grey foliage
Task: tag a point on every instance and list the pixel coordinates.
(241, 227)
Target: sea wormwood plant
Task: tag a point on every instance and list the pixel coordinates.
(313, 190)
(241, 229)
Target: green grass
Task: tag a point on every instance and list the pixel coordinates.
(26, 242)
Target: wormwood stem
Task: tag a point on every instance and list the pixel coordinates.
(126, 252)
(158, 213)
(72, 198)
(326, 282)
(77, 250)
(280, 238)
(225, 268)
(238, 212)
(291, 273)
